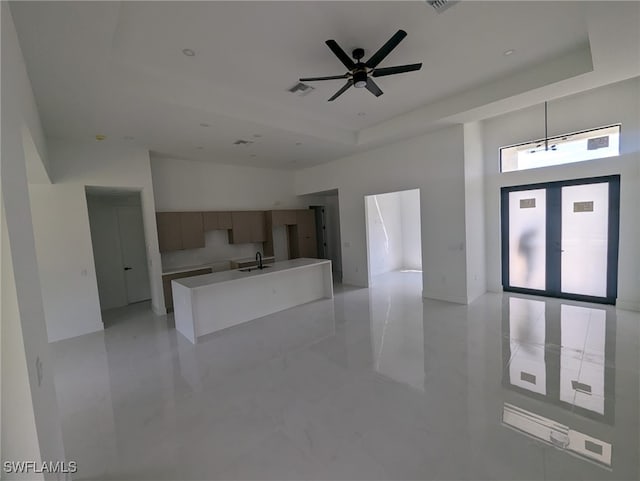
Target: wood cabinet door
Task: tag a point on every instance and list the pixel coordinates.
(258, 228)
(210, 220)
(240, 232)
(284, 217)
(169, 231)
(192, 230)
(224, 220)
(213, 220)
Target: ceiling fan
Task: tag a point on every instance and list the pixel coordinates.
(360, 73)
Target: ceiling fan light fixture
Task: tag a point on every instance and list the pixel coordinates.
(360, 79)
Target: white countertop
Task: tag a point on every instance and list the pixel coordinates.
(227, 276)
(249, 259)
(214, 264)
(176, 270)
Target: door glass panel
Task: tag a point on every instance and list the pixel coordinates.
(585, 221)
(527, 239)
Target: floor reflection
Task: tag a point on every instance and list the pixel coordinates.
(560, 353)
(556, 434)
(397, 327)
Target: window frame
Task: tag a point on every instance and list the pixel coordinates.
(555, 138)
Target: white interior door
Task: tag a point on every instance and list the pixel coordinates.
(134, 253)
(585, 224)
(107, 255)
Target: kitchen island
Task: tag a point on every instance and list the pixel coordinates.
(211, 302)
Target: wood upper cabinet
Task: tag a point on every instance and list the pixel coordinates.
(247, 227)
(258, 228)
(224, 220)
(179, 230)
(169, 231)
(192, 230)
(283, 217)
(216, 220)
(210, 221)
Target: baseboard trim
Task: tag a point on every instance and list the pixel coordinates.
(351, 282)
(628, 305)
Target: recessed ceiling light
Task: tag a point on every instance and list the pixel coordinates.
(188, 52)
(101, 137)
(203, 124)
(509, 52)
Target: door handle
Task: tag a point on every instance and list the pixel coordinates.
(128, 268)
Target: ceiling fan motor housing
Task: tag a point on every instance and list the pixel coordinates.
(360, 78)
(357, 53)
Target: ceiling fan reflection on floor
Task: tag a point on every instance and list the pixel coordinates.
(360, 74)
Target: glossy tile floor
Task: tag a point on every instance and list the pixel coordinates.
(374, 384)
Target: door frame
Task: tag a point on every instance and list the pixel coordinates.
(554, 229)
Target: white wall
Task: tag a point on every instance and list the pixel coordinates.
(384, 233)
(74, 165)
(433, 163)
(606, 105)
(186, 185)
(411, 241)
(474, 211)
(65, 260)
(29, 411)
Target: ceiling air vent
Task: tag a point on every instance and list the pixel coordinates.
(441, 5)
(301, 89)
(242, 142)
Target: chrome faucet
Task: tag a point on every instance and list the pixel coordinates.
(259, 260)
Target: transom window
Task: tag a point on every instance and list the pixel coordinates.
(562, 149)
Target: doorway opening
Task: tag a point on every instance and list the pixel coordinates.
(326, 208)
(560, 239)
(394, 241)
(119, 246)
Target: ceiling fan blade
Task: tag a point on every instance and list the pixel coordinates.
(313, 79)
(373, 88)
(342, 90)
(382, 72)
(392, 43)
(338, 52)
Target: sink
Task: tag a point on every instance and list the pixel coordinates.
(249, 269)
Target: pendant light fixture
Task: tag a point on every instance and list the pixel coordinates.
(547, 147)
